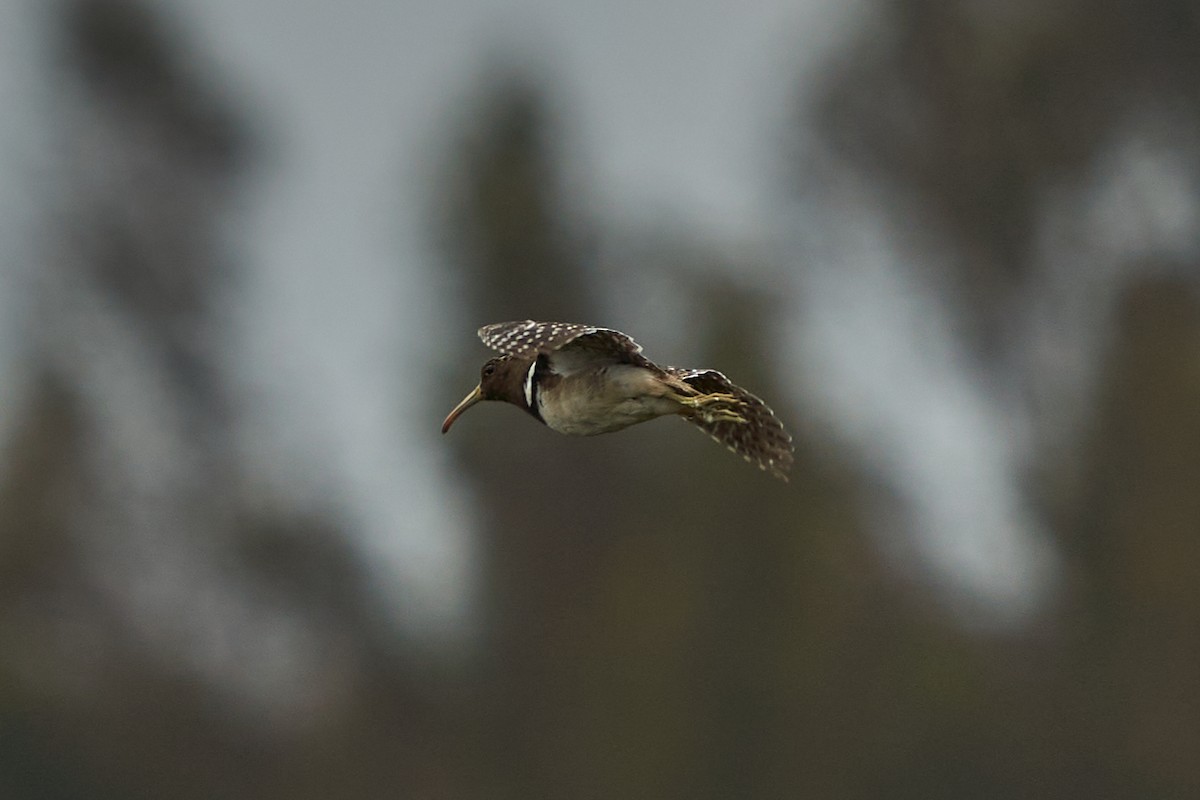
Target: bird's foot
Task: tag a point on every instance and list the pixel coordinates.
(715, 407)
(722, 415)
(699, 401)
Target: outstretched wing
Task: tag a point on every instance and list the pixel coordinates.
(568, 346)
(761, 439)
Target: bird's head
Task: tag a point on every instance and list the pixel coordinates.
(501, 378)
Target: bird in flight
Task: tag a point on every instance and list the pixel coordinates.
(583, 380)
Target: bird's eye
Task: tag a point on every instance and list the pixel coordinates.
(488, 369)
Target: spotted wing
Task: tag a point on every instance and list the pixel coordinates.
(761, 439)
(569, 346)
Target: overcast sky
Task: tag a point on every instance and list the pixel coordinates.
(673, 109)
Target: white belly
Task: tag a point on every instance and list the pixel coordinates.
(619, 400)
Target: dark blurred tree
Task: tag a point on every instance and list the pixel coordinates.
(147, 157)
(91, 705)
(658, 619)
(653, 609)
(502, 203)
(1135, 631)
(965, 115)
(963, 119)
(152, 162)
(509, 253)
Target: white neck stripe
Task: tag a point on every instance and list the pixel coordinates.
(529, 384)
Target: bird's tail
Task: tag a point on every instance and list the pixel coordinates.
(761, 439)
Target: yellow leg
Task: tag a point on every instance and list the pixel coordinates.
(722, 415)
(713, 407)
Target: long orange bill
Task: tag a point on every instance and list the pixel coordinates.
(474, 397)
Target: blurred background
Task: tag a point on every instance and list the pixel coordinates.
(244, 248)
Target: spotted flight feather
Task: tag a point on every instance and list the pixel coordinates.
(761, 439)
(569, 346)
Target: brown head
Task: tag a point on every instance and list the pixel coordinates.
(502, 378)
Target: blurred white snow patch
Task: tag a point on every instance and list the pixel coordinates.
(1143, 192)
(23, 179)
(885, 370)
(332, 390)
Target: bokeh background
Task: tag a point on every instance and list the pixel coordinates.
(244, 248)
